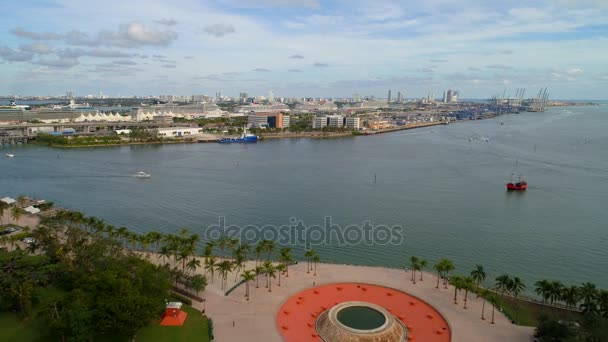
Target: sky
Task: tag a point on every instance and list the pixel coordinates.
(305, 48)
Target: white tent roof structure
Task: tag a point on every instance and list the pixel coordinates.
(32, 210)
(8, 200)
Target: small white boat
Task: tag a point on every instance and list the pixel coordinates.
(9, 155)
(142, 174)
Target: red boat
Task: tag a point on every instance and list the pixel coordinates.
(519, 186)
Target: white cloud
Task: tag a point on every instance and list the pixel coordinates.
(219, 30)
(38, 48)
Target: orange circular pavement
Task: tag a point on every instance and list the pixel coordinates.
(297, 316)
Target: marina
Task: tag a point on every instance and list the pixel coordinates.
(416, 173)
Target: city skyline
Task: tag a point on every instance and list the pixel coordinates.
(304, 48)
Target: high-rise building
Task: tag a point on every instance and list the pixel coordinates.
(319, 122)
(445, 97)
(69, 95)
(399, 97)
(356, 98)
(449, 96)
(389, 95)
(335, 121)
(353, 123)
(270, 96)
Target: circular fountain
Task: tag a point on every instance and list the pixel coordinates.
(359, 322)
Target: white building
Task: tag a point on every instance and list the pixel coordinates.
(258, 121)
(286, 121)
(335, 121)
(353, 123)
(319, 122)
(178, 132)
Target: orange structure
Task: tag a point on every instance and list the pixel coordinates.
(174, 315)
(297, 317)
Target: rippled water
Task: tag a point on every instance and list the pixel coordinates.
(444, 185)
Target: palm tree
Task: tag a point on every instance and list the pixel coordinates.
(259, 250)
(447, 268)
(224, 268)
(439, 267)
(308, 255)
(16, 214)
(222, 243)
(483, 293)
(588, 294)
(421, 265)
(210, 265)
(468, 284)
(316, 259)
(258, 270)
(413, 265)
(478, 274)
(555, 291)
(280, 269)
(457, 282)
(198, 283)
(286, 258)
(494, 301)
(502, 283)
(268, 248)
(516, 286)
(21, 200)
(602, 302)
(570, 296)
(239, 262)
(270, 273)
(193, 264)
(164, 252)
(123, 233)
(267, 265)
(247, 277)
(3, 206)
(541, 288)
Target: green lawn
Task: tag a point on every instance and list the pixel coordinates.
(13, 329)
(196, 328)
(528, 314)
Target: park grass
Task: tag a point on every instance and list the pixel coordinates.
(529, 314)
(15, 329)
(196, 328)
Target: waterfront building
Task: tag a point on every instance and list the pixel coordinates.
(191, 111)
(270, 120)
(321, 106)
(177, 132)
(335, 120)
(278, 107)
(352, 122)
(319, 122)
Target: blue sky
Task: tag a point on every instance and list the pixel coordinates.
(304, 47)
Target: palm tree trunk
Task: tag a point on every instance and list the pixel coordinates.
(466, 293)
(414, 276)
(421, 275)
(483, 308)
(315, 269)
(455, 295)
(257, 281)
(493, 313)
(247, 289)
(279, 278)
(269, 285)
(287, 269)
